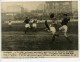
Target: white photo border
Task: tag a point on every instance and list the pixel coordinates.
(43, 59)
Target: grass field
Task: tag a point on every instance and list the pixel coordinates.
(14, 39)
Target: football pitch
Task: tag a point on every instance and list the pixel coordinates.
(14, 39)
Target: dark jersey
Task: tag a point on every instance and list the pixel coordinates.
(46, 24)
(27, 21)
(34, 21)
(65, 21)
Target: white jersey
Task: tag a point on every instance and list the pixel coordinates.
(31, 21)
(9, 23)
(34, 25)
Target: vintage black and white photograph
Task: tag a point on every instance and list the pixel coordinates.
(39, 25)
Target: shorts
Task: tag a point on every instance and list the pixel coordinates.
(34, 25)
(53, 30)
(27, 26)
(64, 28)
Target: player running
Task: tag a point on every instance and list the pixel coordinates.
(52, 26)
(47, 26)
(64, 26)
(27, 25)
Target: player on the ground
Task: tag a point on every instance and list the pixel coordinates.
(27, 25)
(64, 26)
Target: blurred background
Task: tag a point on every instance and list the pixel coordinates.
(17, 11)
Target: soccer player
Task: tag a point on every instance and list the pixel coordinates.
(52, 26)
(53, 30)
(47, 26)
(64, 26)
(10, 24)
(27, 25)
(31, 23)
(34, 25)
